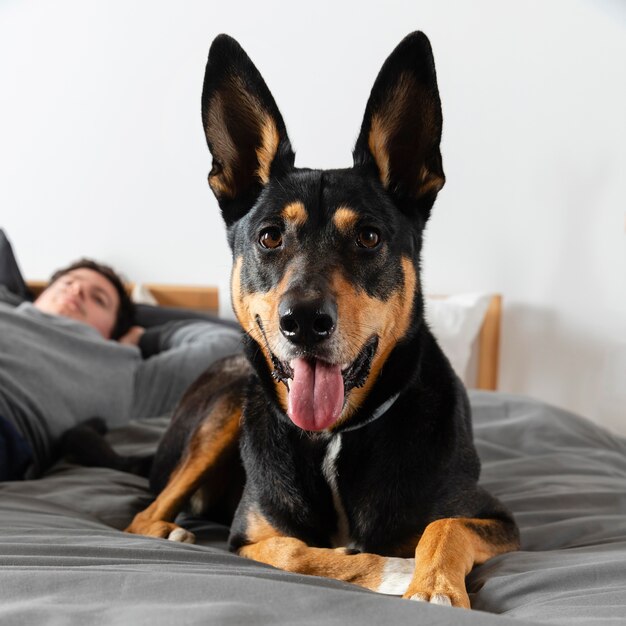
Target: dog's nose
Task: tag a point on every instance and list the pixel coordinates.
(306, 322)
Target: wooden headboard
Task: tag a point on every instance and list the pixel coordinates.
(185, 296)
(206, 299)
(489, 346)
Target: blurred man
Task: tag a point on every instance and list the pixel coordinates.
(74, 354)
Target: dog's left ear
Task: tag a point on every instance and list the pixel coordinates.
(401, 130)
(244, 129)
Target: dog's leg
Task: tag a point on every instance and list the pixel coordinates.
(388, 575)
(448, 550)
(215, 438)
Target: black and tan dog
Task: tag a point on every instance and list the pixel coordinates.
(354, 432)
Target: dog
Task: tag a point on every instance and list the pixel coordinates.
(341, 440)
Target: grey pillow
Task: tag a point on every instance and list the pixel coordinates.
(10, 275)
(148, 316)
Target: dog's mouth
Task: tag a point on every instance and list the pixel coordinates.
(317, 390)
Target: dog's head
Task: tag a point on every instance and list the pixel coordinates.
(326, 262)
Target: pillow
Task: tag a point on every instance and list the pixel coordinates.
(140, 294)
(455, 321)
(148, 315)
(10, 275)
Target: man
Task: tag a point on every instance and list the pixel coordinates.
(73, 354)
(91, 293)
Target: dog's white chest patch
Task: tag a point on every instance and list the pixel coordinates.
(341, 538)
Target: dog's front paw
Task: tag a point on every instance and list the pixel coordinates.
(396, 576)
(181, 535)
(438, 590)
(160, 529)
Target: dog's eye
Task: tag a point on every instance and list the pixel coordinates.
(271, 238)
(368, 238)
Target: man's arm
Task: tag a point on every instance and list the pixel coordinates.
(133, 337)
(178, 353)
(175, 334)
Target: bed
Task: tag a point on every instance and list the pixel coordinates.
(64, 559)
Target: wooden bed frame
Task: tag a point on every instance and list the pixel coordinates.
(489, 346)
(201, 298)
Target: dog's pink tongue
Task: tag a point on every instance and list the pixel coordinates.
(316, 394)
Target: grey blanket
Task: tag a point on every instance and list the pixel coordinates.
(63, 559)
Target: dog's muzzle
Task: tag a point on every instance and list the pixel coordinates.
(317, 388)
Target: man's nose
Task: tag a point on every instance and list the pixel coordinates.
(77, 288)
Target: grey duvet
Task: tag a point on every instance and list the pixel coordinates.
(64, 559)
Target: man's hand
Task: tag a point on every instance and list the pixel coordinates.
(132, 337)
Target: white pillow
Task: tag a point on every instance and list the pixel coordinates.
(142, 295)
(455, 321)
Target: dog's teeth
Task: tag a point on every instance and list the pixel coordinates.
(289, 381)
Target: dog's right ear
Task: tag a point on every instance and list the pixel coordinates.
(244, 129)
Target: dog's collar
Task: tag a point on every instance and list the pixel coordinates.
(379, 412)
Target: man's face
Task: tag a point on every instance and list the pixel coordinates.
(83, 295)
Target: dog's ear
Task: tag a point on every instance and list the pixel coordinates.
(401, 130)
(244, 129)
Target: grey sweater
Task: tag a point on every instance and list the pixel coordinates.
(56, 372)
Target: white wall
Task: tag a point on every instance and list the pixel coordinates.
(102, 152)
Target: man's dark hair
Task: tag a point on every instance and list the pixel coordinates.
(126, 311)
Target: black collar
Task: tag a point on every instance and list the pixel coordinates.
(379, 412)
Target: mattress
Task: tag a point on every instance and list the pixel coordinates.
(65, 560)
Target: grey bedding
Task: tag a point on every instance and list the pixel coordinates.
(63, 559)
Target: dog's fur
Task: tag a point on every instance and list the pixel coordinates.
(354, 432)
